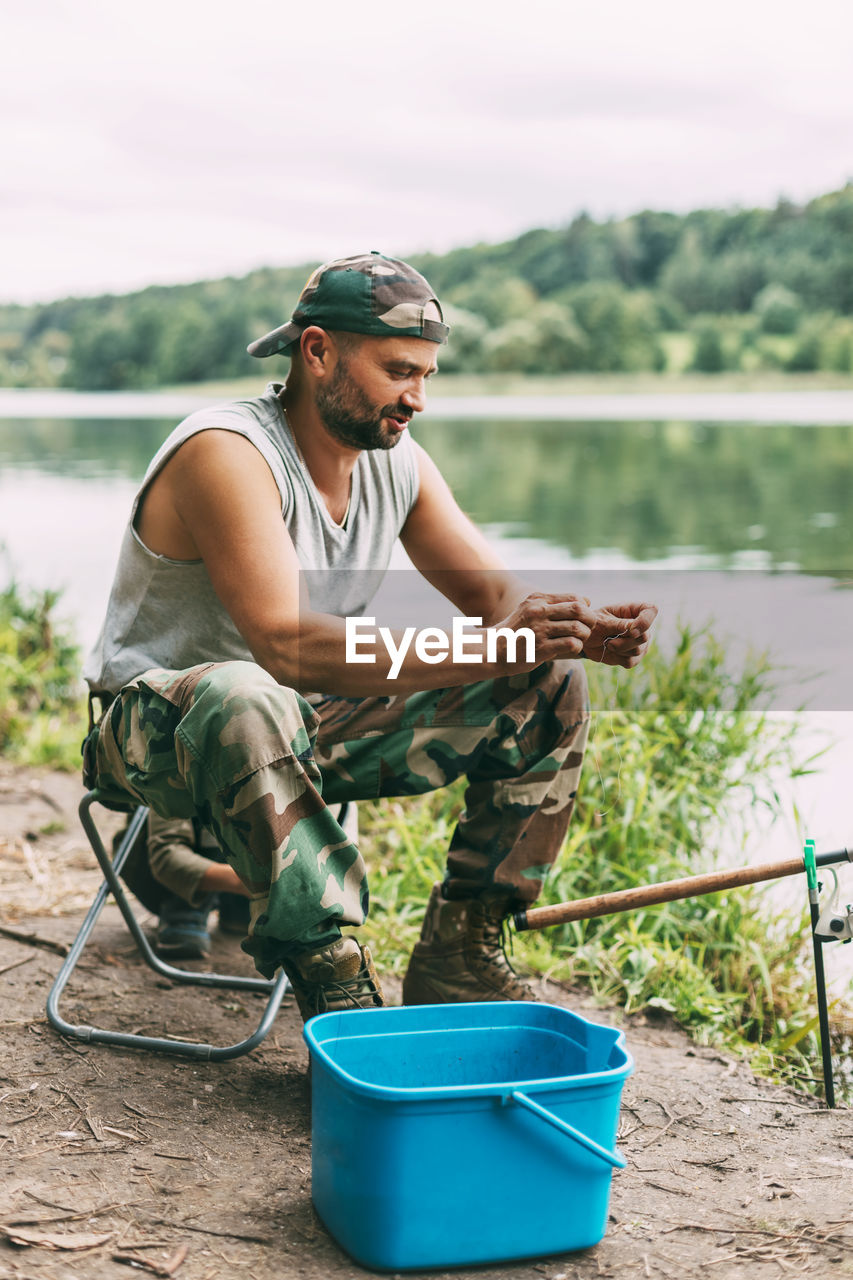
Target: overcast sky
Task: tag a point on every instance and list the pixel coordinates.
(178, 140)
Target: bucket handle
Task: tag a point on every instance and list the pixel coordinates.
(610, 1157)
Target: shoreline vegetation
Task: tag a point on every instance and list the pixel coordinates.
(445, 385)
(712, 292)
(681, 753)
(458, 386)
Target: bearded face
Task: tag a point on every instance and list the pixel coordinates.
(352, 417)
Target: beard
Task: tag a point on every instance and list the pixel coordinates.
(348, 415)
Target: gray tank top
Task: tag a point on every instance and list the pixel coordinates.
(165, 613)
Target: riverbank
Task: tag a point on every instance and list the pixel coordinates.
(518, 384)
(806, 400)
(105, 1151)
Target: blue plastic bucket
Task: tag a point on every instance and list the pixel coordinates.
(444, 1135)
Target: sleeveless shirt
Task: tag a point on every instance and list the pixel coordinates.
(165, 613)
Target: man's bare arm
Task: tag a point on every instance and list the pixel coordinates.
(450, 551)
(216, 500)
(452, 554)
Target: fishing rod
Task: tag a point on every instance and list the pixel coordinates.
(833, 924)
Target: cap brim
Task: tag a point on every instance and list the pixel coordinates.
(277, 342)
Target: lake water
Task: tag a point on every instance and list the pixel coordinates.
(740, 523)
(733, 510)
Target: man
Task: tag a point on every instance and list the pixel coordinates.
(260, 528)
(177, 871)
(189, 869)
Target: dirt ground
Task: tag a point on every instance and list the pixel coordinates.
(112, 1160)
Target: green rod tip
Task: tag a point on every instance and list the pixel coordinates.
(809, 864)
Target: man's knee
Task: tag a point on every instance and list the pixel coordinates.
(242, 697)
(240, 718)
(224, 681)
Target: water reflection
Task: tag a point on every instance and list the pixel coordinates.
(728, 494)
(757, 496)
(89, 448)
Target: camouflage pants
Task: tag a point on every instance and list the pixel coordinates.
(257, 765)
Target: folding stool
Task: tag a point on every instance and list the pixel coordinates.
(111, 867)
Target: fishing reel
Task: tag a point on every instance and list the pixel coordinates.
(835, 923)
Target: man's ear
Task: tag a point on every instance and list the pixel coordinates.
(316, 346)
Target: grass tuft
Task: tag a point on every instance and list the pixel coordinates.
(42, 711)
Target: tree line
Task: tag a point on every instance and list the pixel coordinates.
(710, 290)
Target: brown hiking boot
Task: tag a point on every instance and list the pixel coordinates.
(461, 956)
(340, 976)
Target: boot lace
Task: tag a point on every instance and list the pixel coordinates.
(491, 935)
(358, 992)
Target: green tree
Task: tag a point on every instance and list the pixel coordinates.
(103, 355)
(496, 297)
(547, 340)
(837, 346)
(806, 355)
(464, 352)
(709, 355)
(621, 328)
(688, 276)
(778, 309)
(656, 236)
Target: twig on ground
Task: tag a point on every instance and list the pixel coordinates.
(28, 1116)
(146, 1115)
(38, 791)
(66, 1216)
(181, 1225)
(676, 1191)
(124, 1133)
(718, 1162)
(167, 1268)
(34, 940)
(689, 1115)
(148, 1242)
(61, 1088)
(95, 1125)
(786, 1102)
(808, 1234)
(81, 1053)
(51, 1204)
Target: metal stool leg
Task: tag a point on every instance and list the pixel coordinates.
(111, 867)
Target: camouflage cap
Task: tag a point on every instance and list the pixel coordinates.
(365, 294)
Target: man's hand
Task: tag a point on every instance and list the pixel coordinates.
(562, 625)
(567, 627)
(620, 634)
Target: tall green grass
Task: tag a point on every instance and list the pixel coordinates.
(42, 713)
(680, 764)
